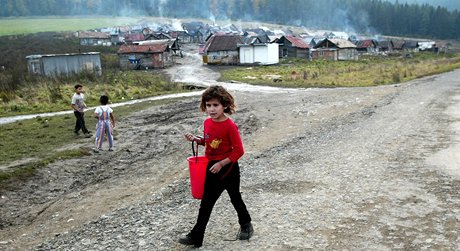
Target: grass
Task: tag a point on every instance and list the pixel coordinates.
(40, 136)
(26, 170)
(41, 139)
(368, 71)
(21, 93)
(51, 95)
(16, 26)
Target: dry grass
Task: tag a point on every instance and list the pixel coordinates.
(368, 71)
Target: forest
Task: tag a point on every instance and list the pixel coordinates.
(373, 17)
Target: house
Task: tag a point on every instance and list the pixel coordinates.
(115, 37)
(222, 49)
(367, 46)
(173, 44)
(263, 38)
(64, 64)
(411, 45)
(335, 49)
(152, 55)
(259, 53)
(193, 32)
(94, 38)
(228, 29)
(385, 46)
(157, 36)
(398, 44)
(133, 37)
(427, 46)
(292, 46)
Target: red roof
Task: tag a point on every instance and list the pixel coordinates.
(365, 43)
(297, 42)
(148, 48)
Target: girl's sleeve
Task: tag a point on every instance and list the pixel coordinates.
(237, 143)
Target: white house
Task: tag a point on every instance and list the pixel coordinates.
(263, 54)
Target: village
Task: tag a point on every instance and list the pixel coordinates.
(156, 46)
(367, 168)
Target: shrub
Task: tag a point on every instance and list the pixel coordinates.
(396, 77)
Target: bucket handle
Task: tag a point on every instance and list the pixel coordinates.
(195, 153)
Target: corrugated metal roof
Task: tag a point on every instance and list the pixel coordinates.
(337, 43)
(297, 42)
(366, 43)
(148, 48)
(399, 44)
(342, 43)
(59, 55)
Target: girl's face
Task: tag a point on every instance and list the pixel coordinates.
(215, 110)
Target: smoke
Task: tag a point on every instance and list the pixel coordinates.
(161, 5)
(177, 25)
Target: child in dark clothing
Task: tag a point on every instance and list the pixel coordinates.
(78, 106)
(223, 149)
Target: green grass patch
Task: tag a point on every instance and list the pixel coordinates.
(15, 26)
(24, 171)
(40, 139)
(368, 71)
(34, 137)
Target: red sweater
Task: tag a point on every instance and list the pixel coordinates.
(222, 140)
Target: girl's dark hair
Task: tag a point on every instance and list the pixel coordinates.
(78, 86)
(104, 99)
(222, 95)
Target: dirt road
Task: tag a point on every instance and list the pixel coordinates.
(337, 169)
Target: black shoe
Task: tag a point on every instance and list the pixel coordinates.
(187, 240)
(246, 231)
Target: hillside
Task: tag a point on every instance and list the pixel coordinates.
(360, 16)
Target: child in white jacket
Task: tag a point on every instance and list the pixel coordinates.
(105, 124)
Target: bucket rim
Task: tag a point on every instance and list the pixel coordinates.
(201, 157)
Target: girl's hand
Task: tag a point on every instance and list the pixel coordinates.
(216, 168)
(189, 137)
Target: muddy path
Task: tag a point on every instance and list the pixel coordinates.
(345, 168)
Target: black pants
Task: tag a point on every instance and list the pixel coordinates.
(80, 124)
(228, 179)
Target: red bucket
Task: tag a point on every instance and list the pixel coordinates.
(197, 167)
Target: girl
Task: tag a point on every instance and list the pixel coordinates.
(104, 127)
(223, 149)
